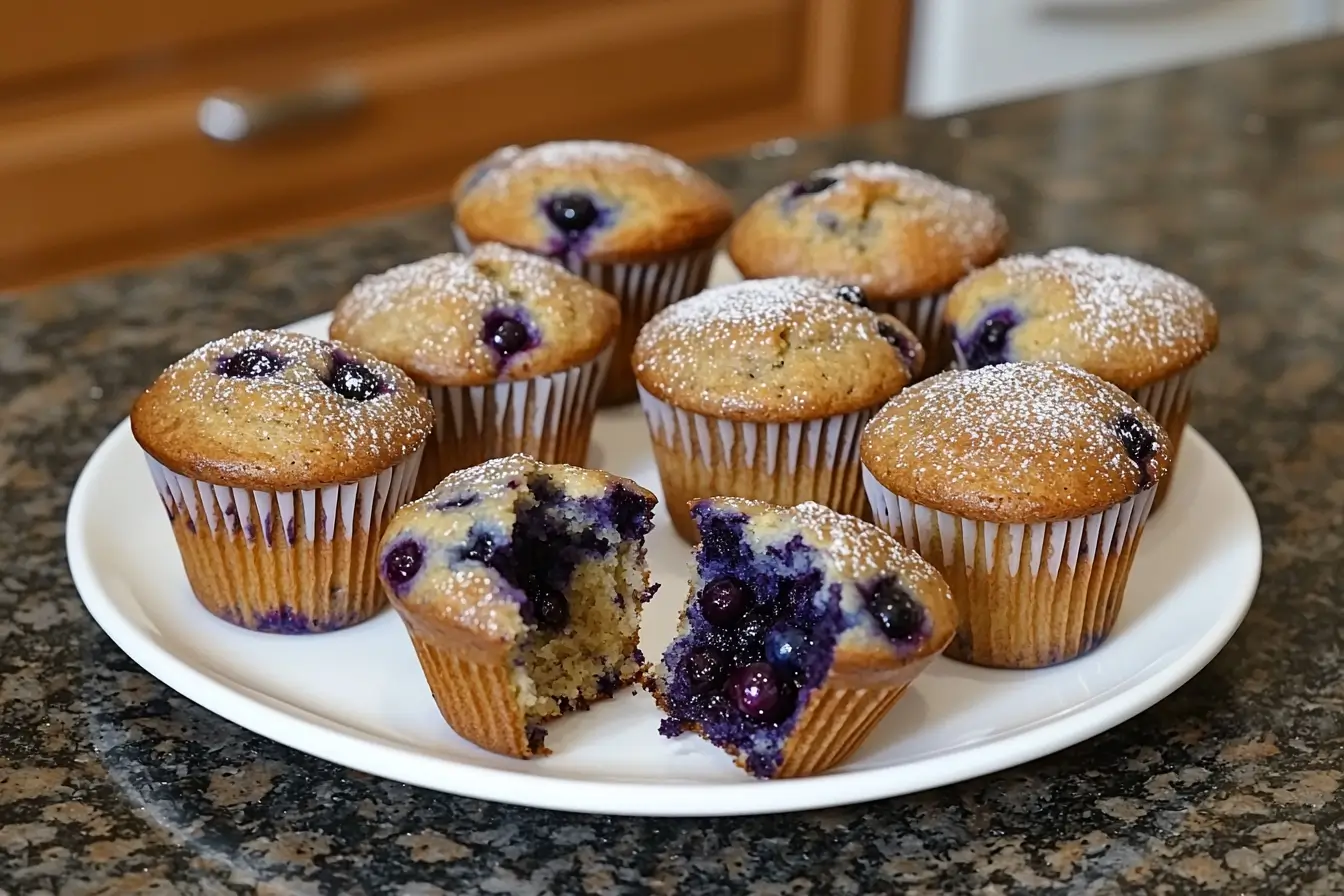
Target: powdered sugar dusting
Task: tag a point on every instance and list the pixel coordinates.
(861, 549)
(575, 153)
(474, 281)
(294, 407)
(772, 347)
(753, 308)
(1007, 430)
(965, 217)
(1123, 304)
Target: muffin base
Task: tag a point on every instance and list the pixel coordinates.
(1028, 595)
(547, 417)
(644, 288)
(784, 463)
(924, 317)
(285, 562)
(1168, 400)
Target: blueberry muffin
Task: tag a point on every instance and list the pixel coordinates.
(1136, 326)
(760, 389)
(521, 584)
(511, 348)
(280, 459)
(903, 236)
(803, 628)
(636, 222)
(1027, 486)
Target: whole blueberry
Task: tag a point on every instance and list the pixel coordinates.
(1140, 444)
(704, 670)
(785, 646)
(814, 184)
(899, 340)
(251, 363)
(480, 549)
(852, 294)
(994, 334)
(759, 693)
(350, 379)
(988, 343)
(571, 212)
(402, 562)
(551, 609)
(723, 601)
(898, 614)
(506, 335)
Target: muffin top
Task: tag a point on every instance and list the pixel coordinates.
(265, 409)
(457, 557)
(897, 232)
(780, 350)
(590, 199)
(495, 315)
(1015, 443)
(1128, 322)
(849, 550)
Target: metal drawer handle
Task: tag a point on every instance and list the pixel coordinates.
(232, 116)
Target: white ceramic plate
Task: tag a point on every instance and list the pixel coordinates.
(357, 697)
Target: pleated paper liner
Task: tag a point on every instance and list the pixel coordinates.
(474, 691)
(1028, 595)
(1168, 400)
(924, 317)
(644, 288)
(784, 463)
(285, 562)
(548, 417)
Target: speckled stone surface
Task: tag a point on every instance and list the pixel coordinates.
(1231, 175)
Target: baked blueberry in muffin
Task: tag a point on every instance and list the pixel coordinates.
(903, 236)
(803, 627)
(521, 585)
(279, 459)
(636, 222)
(489, 334)
(759, 389)
(1134, 325)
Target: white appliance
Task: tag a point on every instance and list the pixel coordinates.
(968, 53)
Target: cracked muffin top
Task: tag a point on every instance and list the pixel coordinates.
(780, 350)
(897, 232)
(590, 199)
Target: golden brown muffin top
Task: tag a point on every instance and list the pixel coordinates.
(494, 315)
(1128, 322)
(897, 232)
(781, 350)
(592, 199)
(458, 532)
(265, 409)
(1015, 443)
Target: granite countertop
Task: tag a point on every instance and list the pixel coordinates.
(1231, 174)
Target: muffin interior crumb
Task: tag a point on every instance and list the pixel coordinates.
(579, 562)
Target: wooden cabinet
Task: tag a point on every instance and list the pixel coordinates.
(103, 160)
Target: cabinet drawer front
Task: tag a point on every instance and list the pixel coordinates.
(39, 39)
(434, 101)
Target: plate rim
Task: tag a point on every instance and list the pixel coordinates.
(334, 742)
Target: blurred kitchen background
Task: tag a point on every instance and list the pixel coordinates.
(135, 129)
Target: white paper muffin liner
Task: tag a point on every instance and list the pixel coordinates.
(285, 561)
(548, 417)
(924, 317)
(1168, 400)
(644, 289)
(1029, 595)
(785, 463)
